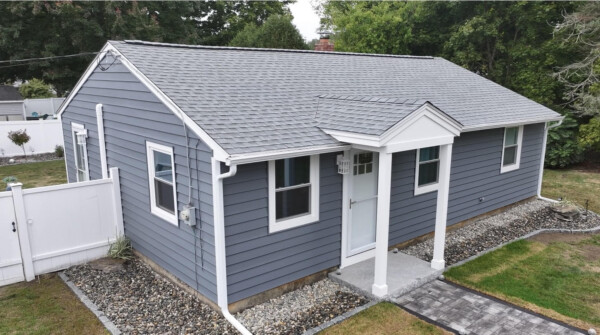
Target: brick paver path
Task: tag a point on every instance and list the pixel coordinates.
(470, 313)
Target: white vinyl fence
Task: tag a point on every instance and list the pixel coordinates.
(45, 136)
(50, 228)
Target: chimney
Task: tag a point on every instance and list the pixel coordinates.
(324, 44)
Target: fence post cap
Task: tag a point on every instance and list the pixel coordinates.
(11, 185)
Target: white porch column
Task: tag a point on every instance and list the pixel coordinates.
(380, 287)
(441, 213)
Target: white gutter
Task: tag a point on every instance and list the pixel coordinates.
(541, 176)
(219, 226)
(101, 141)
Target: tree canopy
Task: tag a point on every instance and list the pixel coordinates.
(35, 88)
(277, 32)
(46, 29)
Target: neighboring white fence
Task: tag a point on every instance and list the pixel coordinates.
(41, 106)
(56, 227)
(45, 136)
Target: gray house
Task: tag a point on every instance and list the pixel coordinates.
(247, 170)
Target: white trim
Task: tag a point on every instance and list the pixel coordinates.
(542, 160)
(380, 287)
(363, 256)
(486, 126)
(432, 113)
(517, 163)
(220, 256)
(154, 209)
(79, 128)
(428, 187)
(218, 151)
(101, 141)
(345, 212)
(412, 145)
(313, 216)
(354, 138)
(441, 212)
(281, 154)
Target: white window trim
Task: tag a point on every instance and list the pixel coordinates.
(517, 163)
(429, 187)
(78, 128)
(283, 224)
(154, 209)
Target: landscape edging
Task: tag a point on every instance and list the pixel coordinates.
(111, 327)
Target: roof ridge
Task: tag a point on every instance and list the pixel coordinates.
(396, 101)
(211, 47)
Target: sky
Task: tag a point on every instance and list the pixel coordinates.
(305, 19)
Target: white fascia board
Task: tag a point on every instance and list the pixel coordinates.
(88, 72)
(511, 124)
(280, 154)
(218, 152)
(427, 109)
(11, 101)
(354, 138)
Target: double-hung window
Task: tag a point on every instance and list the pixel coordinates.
(80, 151)
(293, 192)
(427, 170)
(511, 149)
(161, 175)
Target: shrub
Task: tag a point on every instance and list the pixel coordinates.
(563, 148)
(121, 249)
(36, 88)
(589, 135)
(19, 137)
(59, 151)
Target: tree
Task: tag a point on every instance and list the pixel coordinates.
(36, 88)
(47, 29)
(20, 138)
(582, 78)
(277, 32)
(510, 43)
(368, 27)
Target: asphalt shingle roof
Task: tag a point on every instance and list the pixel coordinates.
(256, 100)
(8, 93)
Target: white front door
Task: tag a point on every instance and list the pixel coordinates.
(363, 202)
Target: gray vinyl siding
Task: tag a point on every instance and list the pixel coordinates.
(11, 108)
(475, 173)
(258, 261)
(132, 116)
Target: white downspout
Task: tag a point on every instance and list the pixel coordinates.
(101, 141)
(541, 176)
(219, 226)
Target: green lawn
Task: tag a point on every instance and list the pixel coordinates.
(573, 185)
(46, 306)
(383, 319)
(553, 274)
(36, 174)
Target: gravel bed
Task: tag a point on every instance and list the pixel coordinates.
(139, 301)
(305, 308)
(30, 159)
(498, 229)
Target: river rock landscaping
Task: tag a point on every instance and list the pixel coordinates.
(497, 229)
(33, 158)
(139, 301)
(300, 310)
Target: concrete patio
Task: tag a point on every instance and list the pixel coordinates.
(404, 273)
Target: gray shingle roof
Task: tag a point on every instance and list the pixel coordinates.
(363, 115)
(8, 93)
(255, 100)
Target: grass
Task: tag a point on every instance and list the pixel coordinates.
(36, 174)
(45, 307)
(558, 277)
(384, 318)
(573, 185)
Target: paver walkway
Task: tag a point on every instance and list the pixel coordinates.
(470, 313)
